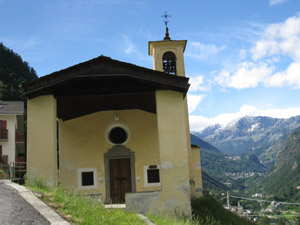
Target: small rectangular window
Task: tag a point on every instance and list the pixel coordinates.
(153, 176)
(87, 178)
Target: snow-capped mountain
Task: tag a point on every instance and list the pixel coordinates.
(262, 136)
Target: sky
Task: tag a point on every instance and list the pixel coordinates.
(242, 56)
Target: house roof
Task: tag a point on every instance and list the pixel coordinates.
(103, 75)
(11, 108)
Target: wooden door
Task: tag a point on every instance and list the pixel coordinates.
(120, 179)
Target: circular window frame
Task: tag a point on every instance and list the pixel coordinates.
(114, 125)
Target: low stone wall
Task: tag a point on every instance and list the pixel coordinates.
(143, 202)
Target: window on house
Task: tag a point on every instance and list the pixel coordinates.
(3, 130)
(152, 176)
(87, 178)
(117, 135)
(3, 125)
(169, 63)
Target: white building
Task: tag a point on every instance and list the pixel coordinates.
(12, 146)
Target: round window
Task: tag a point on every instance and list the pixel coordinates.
(117, 135)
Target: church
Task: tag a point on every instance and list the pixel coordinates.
(117, 130)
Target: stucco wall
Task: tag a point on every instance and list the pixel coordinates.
(83, 143)
(175, 194)
(41, 139)
(195, 172)
(9, 146)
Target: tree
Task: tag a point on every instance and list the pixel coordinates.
(264, 221)
(13, 73)
(298, 220)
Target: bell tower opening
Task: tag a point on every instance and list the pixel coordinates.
(167, 53)
(169, 62)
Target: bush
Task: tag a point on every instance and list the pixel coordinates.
(3, 175)
(206, 210)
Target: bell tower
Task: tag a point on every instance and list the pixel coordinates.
(168, 54)
(168, 57)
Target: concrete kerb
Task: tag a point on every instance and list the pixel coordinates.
(36, 203)
(45, 210)
(146, 220)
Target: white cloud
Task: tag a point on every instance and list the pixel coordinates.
(280, 38)
(243, 54)
(202, 51)
(265, 48)
(248, 75)
(198, 84)
(276, 2)
(289, 77)
(21, 44)
(277, 41)
(31, 43)
(198, 123)
(129, 46)
(194, 101)
(223, 78)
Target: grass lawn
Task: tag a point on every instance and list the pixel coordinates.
(86, 210)
(83, 210)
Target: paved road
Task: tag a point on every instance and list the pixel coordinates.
(14, 210)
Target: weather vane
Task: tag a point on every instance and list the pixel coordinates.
(166, 16)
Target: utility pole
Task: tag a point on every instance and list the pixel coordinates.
(228, 203)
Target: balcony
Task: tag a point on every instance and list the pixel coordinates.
(3, 135)
(4, 159)
(19, 137)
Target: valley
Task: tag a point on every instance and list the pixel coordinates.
(257, 160)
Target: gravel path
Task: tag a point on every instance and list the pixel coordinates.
(14, 210)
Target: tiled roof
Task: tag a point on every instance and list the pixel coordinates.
(11, 107)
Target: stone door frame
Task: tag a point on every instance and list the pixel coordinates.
(118, 152)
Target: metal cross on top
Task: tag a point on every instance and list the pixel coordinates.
(166, 16)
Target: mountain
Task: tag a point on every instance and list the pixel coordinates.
(13, 72)
(221, 171)
(283, 178)
(261, 136)
(210, 183)
(203, 144)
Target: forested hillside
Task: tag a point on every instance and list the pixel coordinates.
(220, 169)
(283, 178)
(13, 72)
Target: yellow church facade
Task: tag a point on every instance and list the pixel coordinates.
(116, 130)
